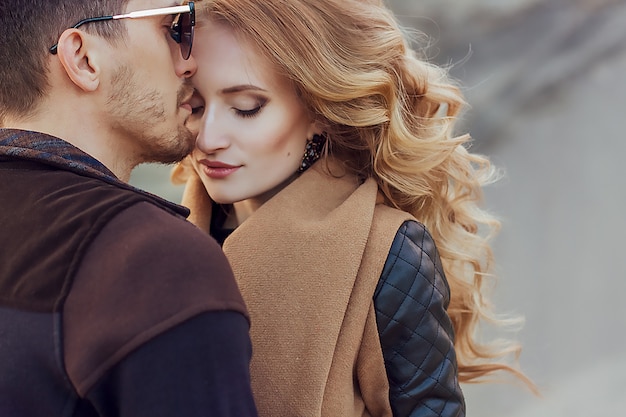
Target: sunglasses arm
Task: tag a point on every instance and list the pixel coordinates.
(154, 12)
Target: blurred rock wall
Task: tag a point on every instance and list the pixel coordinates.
(545, 82)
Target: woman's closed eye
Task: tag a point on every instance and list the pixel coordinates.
(249, 109)
(250, 112)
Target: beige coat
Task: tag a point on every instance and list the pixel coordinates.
(307, 263)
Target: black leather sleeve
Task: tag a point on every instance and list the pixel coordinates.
(415, 330)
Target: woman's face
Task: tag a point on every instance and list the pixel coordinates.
(254, 128)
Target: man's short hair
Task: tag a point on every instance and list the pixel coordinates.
(29, 29)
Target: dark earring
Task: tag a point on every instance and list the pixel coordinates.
(312, 151)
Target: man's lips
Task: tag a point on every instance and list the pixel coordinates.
(185, 95)
(196, 102)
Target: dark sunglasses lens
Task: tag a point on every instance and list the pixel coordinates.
(187, 22)
(182, 30)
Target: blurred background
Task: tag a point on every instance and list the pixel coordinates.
(545, 82)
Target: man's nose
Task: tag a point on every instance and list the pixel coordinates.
(185, 68)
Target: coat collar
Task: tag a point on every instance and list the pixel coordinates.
(49, 150)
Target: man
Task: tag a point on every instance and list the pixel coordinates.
(111, 303)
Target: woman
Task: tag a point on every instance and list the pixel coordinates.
(361, 261)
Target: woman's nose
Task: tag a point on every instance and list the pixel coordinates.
(211, 137)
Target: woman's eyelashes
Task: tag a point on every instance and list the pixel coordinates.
(247, 111)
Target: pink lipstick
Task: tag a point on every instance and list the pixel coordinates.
(217, 170)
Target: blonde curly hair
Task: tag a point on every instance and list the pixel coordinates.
(389, 114)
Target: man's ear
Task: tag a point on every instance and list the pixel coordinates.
(79, 58)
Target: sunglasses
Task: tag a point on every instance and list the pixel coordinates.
(181, 30)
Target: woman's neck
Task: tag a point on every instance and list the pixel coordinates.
(240, 211)
(243, 209)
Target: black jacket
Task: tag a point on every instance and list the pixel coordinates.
(111, 304)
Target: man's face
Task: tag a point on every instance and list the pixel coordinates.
(149, 89)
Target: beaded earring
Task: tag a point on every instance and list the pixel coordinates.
(312, 152)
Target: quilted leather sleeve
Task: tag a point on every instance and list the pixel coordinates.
(415, 331)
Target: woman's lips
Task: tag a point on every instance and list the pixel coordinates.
(217, 170)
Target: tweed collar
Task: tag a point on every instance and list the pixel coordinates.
(45, 149)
